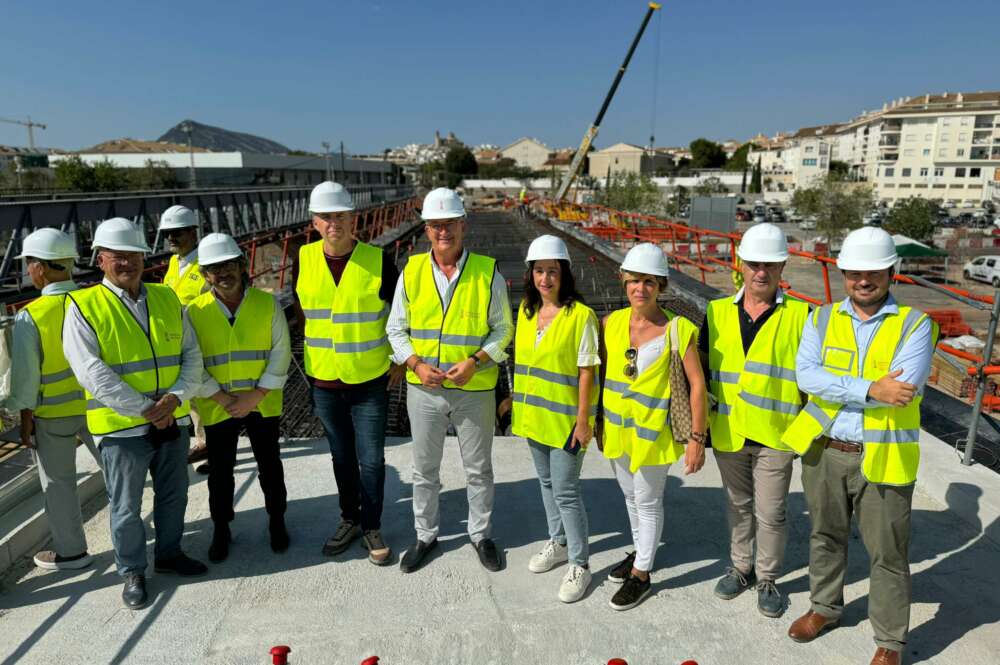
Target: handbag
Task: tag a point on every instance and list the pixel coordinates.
(680, 392)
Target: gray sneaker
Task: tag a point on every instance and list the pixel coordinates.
(346, 534)
(769, 600)
(733, 583)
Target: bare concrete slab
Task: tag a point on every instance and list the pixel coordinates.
(344, 609)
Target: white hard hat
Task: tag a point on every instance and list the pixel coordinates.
(48, 244)
(217, 248)
(547, 247)
(443, 203)
(120, 234)
(763, 242)
(867, 248)
(177, 217)
(646, 258)
(330, 197)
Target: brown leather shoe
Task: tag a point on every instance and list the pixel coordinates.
(885, 656)
(197, 453)
(808, 626)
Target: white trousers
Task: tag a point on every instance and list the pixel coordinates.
(643, 492)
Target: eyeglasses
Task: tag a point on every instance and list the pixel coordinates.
(631, 369)
(443, 227)
(176, 233)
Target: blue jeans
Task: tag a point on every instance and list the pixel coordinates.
(559, 477)
(355, 422)
(127, 460)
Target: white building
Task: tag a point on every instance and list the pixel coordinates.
(528, 152)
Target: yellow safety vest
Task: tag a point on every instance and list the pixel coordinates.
(187, 285)
(441, 338)
(636, 411)
(345, 323)
(237, 359)
(757, 396)
(546, 376)
(891, 451)
(149, 363)
(60, 394)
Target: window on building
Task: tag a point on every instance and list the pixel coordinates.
(810, 148)
(923, 171)
(962, 138)
(889, 172)
(942, 152)
(945, 122)
(960, 172)
(960, 152)
(927, 152)
(908, 152)
(965, 121)
(906, 172)
(944, 138)
(910, 137)
(975, 172)
(928, 137)
(939, 171)
(809, 162)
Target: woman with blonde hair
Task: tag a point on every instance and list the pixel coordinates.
(634, 431)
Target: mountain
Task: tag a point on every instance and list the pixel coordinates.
(218, 139)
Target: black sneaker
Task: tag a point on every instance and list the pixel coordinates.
(219, 549)
(279, 534)
(733, 583)
(415, 556)
(769, 600)
(342, 538)
(622, 570)
(488, 555)
(182, 565)
(631, 594)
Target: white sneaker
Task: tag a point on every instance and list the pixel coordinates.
(551, 556)
(574, 584)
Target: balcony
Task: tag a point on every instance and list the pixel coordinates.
(889, 142)
(891, 127)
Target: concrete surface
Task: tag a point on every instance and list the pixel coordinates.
(343, 609)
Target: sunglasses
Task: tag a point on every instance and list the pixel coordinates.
(631, 369)
(176, 233)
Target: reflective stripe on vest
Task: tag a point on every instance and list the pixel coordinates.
(546, 376)
(235, 355)
(149, 363)
(443, 339)
(59, 394)
(187, 285)
(636, 412)
(756, 394)
(345, 322)
(891, 435)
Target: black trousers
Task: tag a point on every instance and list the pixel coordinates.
(222, 439)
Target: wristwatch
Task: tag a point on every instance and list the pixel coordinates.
(476, 360)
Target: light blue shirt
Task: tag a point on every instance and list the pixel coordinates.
(26, 354)
(914, 358)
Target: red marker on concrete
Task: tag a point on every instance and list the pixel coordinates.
(279, 655)
(370, 660)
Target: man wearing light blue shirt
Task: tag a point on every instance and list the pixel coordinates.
(863, 362)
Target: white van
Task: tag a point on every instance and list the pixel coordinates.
(983, 269)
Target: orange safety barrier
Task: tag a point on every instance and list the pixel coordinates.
(372, 223)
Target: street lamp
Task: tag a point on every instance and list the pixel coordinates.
(188, 129)
(326, 153)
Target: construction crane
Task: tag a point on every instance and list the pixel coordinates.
(30, 124)
(591, 134)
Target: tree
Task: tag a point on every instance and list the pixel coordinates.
(706, 154)
(840, 168)
(459, 162)
(837, 205)
(631, 192)
(913, 217)
(738, 162)
(108, 177)
(756, 185)
(73, 175)
(677, 200)
(154, 175)
(504, 168)
(710, 186)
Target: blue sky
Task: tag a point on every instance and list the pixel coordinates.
(387, 72)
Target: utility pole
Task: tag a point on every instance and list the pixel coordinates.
(188, 129)
(31, 129)
(326, 153)
(343, 164)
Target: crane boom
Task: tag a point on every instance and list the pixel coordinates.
(591, 133)
(30, 124)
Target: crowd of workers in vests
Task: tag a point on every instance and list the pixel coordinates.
(131, 363)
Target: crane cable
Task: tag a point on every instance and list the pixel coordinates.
(656, 82)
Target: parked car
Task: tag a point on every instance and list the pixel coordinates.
(808, 224)
(872, 219)
(983, 269)
(743, 215)
(759, 217)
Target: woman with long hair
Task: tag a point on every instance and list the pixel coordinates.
(635, 429)
(556, 352)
